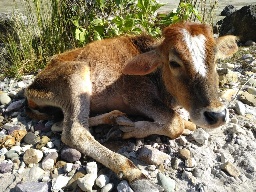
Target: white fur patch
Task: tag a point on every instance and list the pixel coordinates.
(196, 47)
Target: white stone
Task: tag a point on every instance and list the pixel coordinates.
(35, 173)
(91, 168)
(200, 136)
(50, 144)
(59, 182)
(107, 187)
(86, 183)
(68, 167)
(4, 98)
(102, 180)
(3, 151)
(21, 84)
(16, 149)
(48, 164)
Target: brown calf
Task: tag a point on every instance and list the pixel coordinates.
(139, 76)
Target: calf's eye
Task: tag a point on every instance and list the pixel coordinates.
(174, 64)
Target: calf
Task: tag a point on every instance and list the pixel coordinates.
(136, 75)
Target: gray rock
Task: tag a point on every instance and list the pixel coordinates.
(228, 10)
(31, 138)
(246, 29)
(123, 186)
(6, 166)
(151, 155)
(32, 187)
(249, 43)
(70, 155)
(166, 182)
(200, 136)
(4, 98)
(12, 155)
(240, 108)
(251, 90)
(247, 98)
(49, 160)
(36, 173)
(16, 105)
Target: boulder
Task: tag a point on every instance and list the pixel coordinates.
(241, 23)
(228, 10)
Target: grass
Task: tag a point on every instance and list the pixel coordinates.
(49, 27)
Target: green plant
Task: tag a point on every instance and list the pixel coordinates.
(111, 18)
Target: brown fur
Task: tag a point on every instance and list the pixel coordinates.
(92, 80)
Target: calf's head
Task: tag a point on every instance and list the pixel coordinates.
(187, 60)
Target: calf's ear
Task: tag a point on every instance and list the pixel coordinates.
(142, 64)
(226, 46)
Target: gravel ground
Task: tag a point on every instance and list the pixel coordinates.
(33, 158)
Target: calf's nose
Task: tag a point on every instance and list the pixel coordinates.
(215, 117)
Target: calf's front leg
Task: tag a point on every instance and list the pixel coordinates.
(76, 134)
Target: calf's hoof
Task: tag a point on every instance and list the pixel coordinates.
(144, 185)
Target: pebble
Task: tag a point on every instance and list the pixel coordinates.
(191, 162)
(57, 127)
(50, 145)
(251, 90)
(14, 106)
(123, 186)
(43, 142)
(200, 136)
(32, 156)
(36, 173)
(107, 188)
(59, 182)
(231, 169)
(32, 187)
(91, 168)
(31, 138)
(12, 155)
(3, 151)
(102, 180)
(185, 153)
(6, 166)
(240, 108)
(166, 182)
(247, 98)
(70, 155)
(19, 134)
(151, 155)
(86, 182)
(4, 98)
(68, 167)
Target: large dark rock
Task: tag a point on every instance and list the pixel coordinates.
(241, 23)
(228, 10)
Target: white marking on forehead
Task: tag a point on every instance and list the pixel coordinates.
(196, 47)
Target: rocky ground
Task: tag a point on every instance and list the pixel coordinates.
(33, 158)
